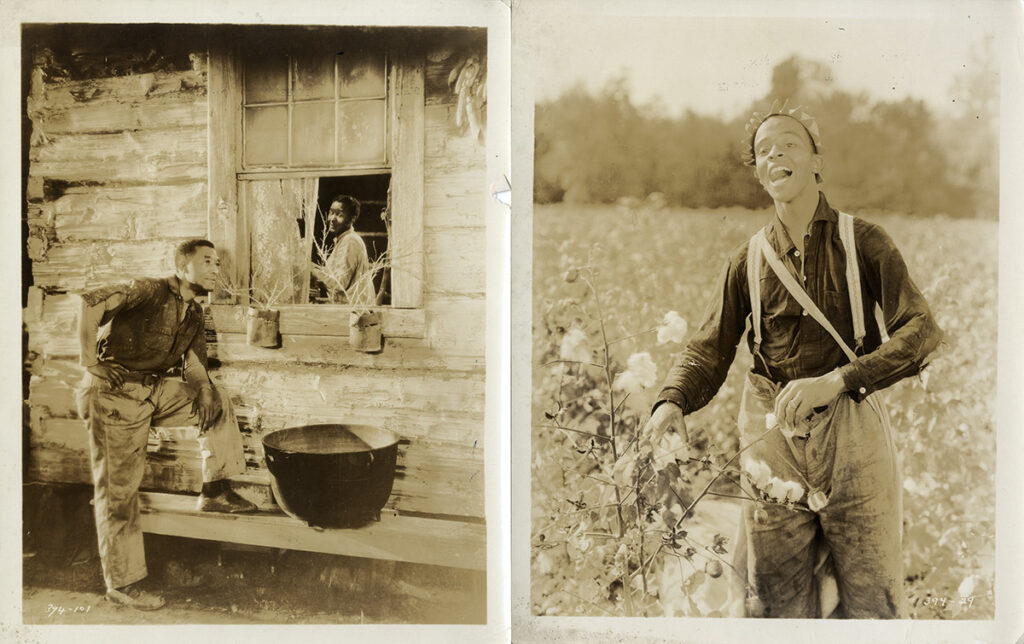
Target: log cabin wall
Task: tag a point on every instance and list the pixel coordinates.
(117, 175)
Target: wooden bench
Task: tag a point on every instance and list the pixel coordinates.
(441, 542)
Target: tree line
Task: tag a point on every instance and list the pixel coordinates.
(896, 156)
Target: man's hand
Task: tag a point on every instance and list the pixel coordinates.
(206, 407)
(666, 416)
(109, 371)
(799, 398)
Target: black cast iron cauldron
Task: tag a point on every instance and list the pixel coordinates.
(332, 476)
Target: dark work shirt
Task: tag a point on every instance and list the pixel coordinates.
(794, 345)
(153, 328)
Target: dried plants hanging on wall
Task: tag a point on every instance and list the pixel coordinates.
(468, 81)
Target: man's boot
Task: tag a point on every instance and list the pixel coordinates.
(134, 597)
(217, 496)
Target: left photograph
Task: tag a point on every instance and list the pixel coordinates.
(254, 324)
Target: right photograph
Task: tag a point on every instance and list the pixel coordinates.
(764, 317)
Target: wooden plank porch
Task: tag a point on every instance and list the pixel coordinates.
(435, 541)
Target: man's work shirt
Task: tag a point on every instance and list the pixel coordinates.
(347, 271)
(794, 345)
(151, 327)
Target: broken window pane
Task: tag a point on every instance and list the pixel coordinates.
(361, 131)
(266, 135)
(361, 74)
(313, 133)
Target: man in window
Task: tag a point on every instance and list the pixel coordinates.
(346, 270)
(811, 410)
(154, 324)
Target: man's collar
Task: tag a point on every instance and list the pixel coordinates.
(779, 238)
(173, 285)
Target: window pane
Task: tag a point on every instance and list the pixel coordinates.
(313, 133)
(266, 135)
(361, 74)
(362, 131)
(314, 77)
(266, 79)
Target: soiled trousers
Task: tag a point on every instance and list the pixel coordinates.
(855, 539)
(119, 422)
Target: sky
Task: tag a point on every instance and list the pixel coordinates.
(717, 66)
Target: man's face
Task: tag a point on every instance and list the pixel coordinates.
(785, 161)
(201, 269)
(339, 219)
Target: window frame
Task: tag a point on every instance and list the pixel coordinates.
(313, 170)
(228, 228)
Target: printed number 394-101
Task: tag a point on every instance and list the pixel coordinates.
(52, 610)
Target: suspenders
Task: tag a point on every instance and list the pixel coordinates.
(760, 248)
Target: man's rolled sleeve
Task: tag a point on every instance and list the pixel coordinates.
(913, 332)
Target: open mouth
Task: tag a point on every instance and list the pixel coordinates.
(777, 173)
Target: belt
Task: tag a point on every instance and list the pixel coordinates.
(147, 378)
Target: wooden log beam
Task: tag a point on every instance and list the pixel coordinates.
(457, 327)
(307, 389)
(159, 156)
(455, 199)
(456, 263)
(75, 266)
(183, 86)
(120, 115)
(54, 380)
(438, 542)
(444, 144)
(136, 212)
(432, 476)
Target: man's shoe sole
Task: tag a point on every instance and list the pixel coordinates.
(226, 508)
(124, 599)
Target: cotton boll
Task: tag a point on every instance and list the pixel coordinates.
(776, 489)
(641, 373)
(758, 472)
(673, 328)
(794, 491)
(574, 346)
(629, 382)
(643, 366)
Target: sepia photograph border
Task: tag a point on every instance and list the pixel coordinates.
(490, 14)
(531, 19)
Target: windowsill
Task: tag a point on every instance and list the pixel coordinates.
(322, 319)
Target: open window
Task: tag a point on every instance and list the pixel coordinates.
(299, 116)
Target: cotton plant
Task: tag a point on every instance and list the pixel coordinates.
(627, 496)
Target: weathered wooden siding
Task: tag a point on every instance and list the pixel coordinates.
(118, 174)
